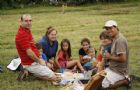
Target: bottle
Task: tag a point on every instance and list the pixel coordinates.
(105, 52)
(85, 75)
(61, 70)
(94, 62)
(106, 64)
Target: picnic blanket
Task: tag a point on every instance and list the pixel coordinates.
(68, 77)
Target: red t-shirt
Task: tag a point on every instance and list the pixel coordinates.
(24, 41)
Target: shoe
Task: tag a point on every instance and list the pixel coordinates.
(129, 85)
(22, 75)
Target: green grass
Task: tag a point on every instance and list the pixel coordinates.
(75, 24)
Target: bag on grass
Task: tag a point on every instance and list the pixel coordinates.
(15, 64)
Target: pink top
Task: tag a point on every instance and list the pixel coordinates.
(62, 60)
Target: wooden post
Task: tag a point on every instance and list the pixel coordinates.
(63, 8)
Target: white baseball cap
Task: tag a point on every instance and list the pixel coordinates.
(110, 23)
(14, 64)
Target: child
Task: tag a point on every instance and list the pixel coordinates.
(64, 57)
(92, 62)
(83, 53)
(39, 47)
(106, 41)
(43, 56)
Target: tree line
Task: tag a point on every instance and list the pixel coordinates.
(22, 3)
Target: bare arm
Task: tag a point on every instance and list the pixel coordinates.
(56, 61)
(82, 60)
(100, 65)
(32, 55)
(120, 58)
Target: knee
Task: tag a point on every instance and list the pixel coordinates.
(105, 83)
(77, 61)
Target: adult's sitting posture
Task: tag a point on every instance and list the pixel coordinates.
(28, 52)
(50, 46)
(118, 59)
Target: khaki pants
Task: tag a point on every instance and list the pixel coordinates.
(39, 70)
(111, 78)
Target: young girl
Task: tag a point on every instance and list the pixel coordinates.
(64, 57)
(84, 53)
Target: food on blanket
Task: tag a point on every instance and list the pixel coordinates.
(78, 75)
(68, 75)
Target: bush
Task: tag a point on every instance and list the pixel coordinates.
(22, 3)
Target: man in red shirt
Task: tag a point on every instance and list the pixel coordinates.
(28, 52)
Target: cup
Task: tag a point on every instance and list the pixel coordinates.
(61, 70)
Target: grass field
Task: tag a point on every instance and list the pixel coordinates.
(75, 24)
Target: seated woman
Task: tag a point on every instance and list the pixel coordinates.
(86, 54)
(64, 57)
(50, 45)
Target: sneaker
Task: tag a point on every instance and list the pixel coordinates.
(22, 75)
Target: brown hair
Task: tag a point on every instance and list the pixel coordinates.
(69, 46)
(49, 30)
(105, 35)
(85, 40)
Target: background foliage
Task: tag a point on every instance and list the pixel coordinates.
(22, 3)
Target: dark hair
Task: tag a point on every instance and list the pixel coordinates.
(69, 46)
(21, 18)
(49, 30)
(85, 40)
(105, 35)
(116, 27)
(111, 27)
(38, 46)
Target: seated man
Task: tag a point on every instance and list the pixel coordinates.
(118, 59)
(28, 52)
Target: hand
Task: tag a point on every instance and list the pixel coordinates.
(56, 77)
(51, 61)
(42, 62)
(107, 56)
(52, 58)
